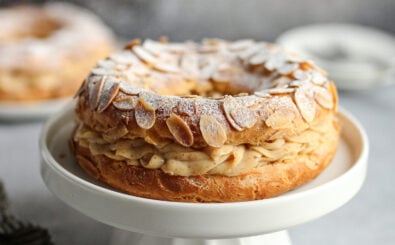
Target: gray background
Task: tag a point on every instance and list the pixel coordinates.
(368, 219)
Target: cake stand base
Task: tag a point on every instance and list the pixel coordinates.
(121, 237)
(177, 223)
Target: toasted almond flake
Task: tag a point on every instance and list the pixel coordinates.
(229, 103)
(107, 64)
(275, 91)
(155, 48)
(332, 89)
(276, 60)
(244, 117)
(262, 94)
(305, 104)
(144, 55)
(323, 97)
(318, 78)
(108, 93)
(288, 68)
(208, 69)
(125, 57)
(180, 130)
(103, 71)
(291, 57)
(281, 82)
(125, 102)
(246, 54)
(163, 67)
(132, 43)
(95, 87)
(128, 88)
(295, 83)
(190, 64)
(144, 114)
(208, 49)
(300, 74)
(241, 45)
(212, 131)
(259, 58)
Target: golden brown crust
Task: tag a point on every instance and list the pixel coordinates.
(265, 182)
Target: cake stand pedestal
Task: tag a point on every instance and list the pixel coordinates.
(142, 221)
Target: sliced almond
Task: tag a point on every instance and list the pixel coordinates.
(288, 68)
(144, 55)
(108, 93)
(259, 58)
(95, 87)
(318, 78)
(208, 69)
(305, 104)
(190, 64)
(281, 82)
(180, 130)
(155, 48)
(300, 74)
(244, 117)
(262, 94)
(247, 53)
(205, 49)
(229, 103)
(333, 90)
(276, 60)
(101, 71)
(276, 91)
(163, 67)
(323, 97)
(125, 57)
(241, 45)
(295, 83)
(128, 88)
(144, 114)
(212, 131)
(125, 102)
(107, 64)
(132, 43)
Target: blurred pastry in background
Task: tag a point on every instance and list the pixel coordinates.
(46, 51)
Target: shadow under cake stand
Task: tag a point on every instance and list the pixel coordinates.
(144, 221)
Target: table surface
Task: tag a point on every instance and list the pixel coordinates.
(368, 218)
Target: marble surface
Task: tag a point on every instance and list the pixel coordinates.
(366, 219)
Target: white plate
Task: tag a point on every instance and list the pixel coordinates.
(333, 188)
(11, 111)
(355, 57)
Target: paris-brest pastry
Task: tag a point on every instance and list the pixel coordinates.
(214, 121)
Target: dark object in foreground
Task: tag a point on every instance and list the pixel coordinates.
(14, 231)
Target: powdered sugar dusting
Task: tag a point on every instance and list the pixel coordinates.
(275, 76)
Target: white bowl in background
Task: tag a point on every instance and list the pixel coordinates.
(355, 57)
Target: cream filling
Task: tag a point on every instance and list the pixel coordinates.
(228, 160)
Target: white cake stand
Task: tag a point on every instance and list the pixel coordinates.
(151, 222)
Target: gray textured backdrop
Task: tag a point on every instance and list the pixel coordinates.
(232, 19)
